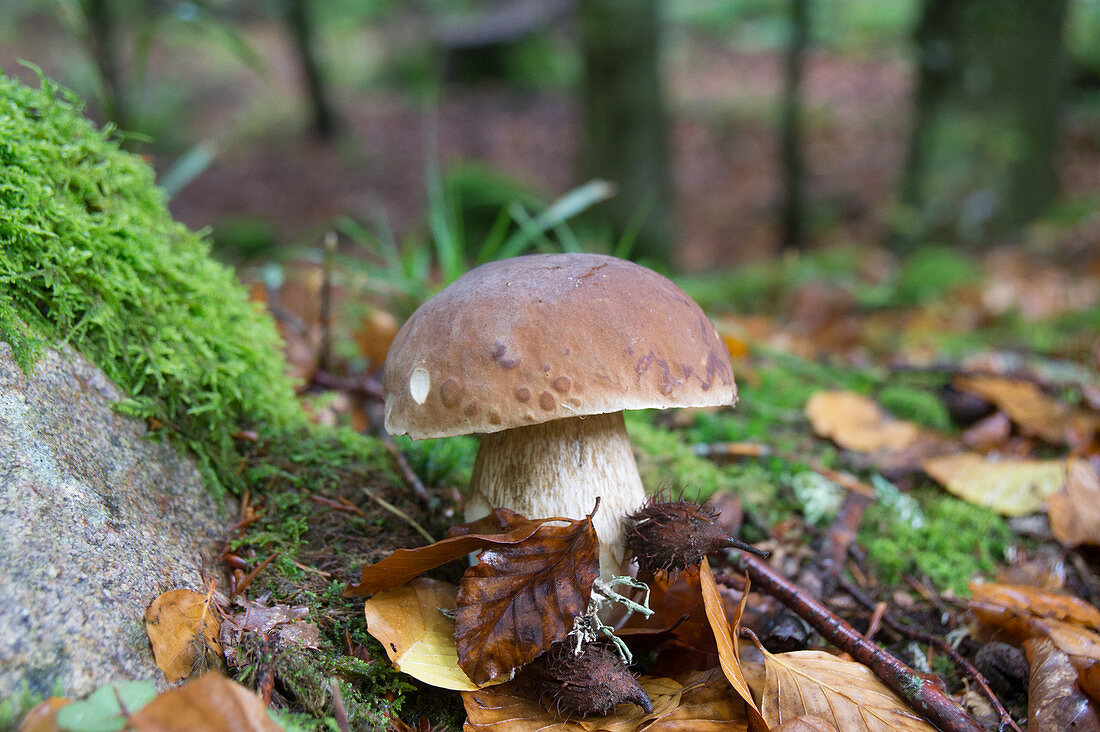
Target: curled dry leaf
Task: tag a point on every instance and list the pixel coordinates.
(522, 597)
(1075, 510)
(1034, 412)
(183, 630)
(1012, 608)
(1055, 702)
(211, 703)
(728, 657)
(404, 564)
(844, 693)
(1009, 487)
(418, 638)
(857, 423)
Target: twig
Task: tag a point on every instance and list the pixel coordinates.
(907, 631)
(247, 580)
(842, 533)
(325, 360)
(922, 695)
(401, 514)
(407, 473)
(366, 387)
(337, 505)
(717, 450)
(339, 712)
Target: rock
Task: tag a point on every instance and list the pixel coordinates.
(96, 520)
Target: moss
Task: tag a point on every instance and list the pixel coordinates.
(955, 541)
(667, 463)
(916, 405)
(91, 257)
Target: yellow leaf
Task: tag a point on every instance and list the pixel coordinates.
(856, 423)
(182, 629)
(1009, 487)
(1036, 413)
(728, 657)
(844, 693)
(417, 637)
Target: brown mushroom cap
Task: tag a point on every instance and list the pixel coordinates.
(549, 336)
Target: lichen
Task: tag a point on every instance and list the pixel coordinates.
(91, 257)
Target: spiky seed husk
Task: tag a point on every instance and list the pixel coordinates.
(674, 535)
(585, 684)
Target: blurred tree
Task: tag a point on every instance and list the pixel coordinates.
(101, 33)
(625, 139)
(981, 155)
(299, 21)
(793, 234)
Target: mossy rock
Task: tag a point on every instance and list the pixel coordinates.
(92, 257)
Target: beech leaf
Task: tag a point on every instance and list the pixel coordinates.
(1075, 510)
(844, 693)
(522, 597)
(182, 629)
(404, 564)
(1032, 410)
(1054, 700)
(1011, 607)
(1009, 487)
(418, 638)
(728, 657)
(211, 703)
(857, 423)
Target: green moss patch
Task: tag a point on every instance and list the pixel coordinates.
(92, 257)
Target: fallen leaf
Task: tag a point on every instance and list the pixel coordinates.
(857, 423)
(1008, 606)
(705, 706)
(1075, 510)
(521, 598)
(107, 707)
(728, 657)
(1033, 411)
(183, 630)
(988, 433)
(211, 703)
(282, 622)
(845, 693)
(43, 718)
(1055, 703)
(404, 564)
(506, 708)
(805, 723)
(1009, 487)
(418, 638)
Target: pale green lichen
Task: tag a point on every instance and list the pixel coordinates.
(91, 257)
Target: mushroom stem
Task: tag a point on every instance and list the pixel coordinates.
(558, 468)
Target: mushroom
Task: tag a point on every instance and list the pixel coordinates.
(541, 354)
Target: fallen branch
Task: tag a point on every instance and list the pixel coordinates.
(921, 694)
(908, 631)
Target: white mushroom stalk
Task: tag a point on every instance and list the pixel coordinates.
(559, 468)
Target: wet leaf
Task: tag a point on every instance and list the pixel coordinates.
(706, 705)
(211, 703)
(1031, 410)
(728, 657)
(844, 693)
(507, 708)
(1009, 607)
(1055, 702)
(418, 638)
(1075, 510)
(522, 597)
(106, 709)
(857, 423)
(404, 564)
(182, 629)
(1009, 487)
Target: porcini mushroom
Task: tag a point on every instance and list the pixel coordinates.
(541, 354)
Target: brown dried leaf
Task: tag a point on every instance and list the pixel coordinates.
(706, 705)
(43, 718)
(1032, 410)
(1075, 510)
(211, 703)
(1009, 487)
(521, 598)
(506, 708)
(805, 723)
(857, 423)
(1055, 703)
(728, 657)
(1012, 607)
(845, 693)
(182, 629)
(404, 564)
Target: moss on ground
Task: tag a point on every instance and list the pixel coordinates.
(92, 257)
(954, 542)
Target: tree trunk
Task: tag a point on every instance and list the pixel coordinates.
(103, 44)
(981, 155)
(300, 24)
(793, 217)
(625, 139)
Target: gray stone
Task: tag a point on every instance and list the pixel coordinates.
(96, 520)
